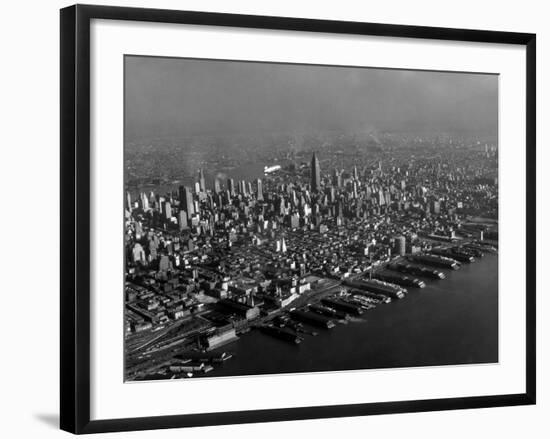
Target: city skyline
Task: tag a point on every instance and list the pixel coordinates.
(282, 253)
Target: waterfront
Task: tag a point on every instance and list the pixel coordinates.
(221, 256)
(451, 321)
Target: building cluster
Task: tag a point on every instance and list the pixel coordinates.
(217, 256)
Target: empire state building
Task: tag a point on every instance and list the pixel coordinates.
(315, 174)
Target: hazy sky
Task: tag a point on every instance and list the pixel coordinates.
(179, 97)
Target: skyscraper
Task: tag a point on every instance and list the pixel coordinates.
(202, 181)
(260, 191)
(182, 219)
(186, 199)
(167, 210)
(129, 202)
(231, 186)
(400, 244)
(144, 202)
(381, 197)
(138, 255)
(315, 174)
(336, 178)
(339, 210)
(242, 187)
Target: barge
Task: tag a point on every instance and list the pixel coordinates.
(377, 298)
(281, 333)
(312, 318)
(328, 312)
(377, 286)
(362, 301)
(343, 306)
(417, 270)
(453, 254)
(483, 246)
(404, 281)
(473, 250)
(436, 261)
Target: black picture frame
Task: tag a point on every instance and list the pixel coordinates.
(75, 217)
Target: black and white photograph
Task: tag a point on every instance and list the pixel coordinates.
(297, 218)
(275, 219)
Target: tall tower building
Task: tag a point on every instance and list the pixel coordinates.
(400, 245)
(242, 187)
(336, 178)
(181, 197)
(260, 190)
(144, 202)
(182, 219)
(381, 197)
(339, 210)
(129, 202)
(436, 207)
(315, 174)
(217, 188)
(153, 200)
(202, 181)
(167, 210)
(231, 186)
(186, 199)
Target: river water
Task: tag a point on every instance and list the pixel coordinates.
(451, 321)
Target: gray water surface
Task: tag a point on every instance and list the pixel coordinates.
(451, 321)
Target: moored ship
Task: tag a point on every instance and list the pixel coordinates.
(312, 318)
(484, 246)
(417, 270)
(362, 301)
(473, 250)
(376, 298)
(282, 333)
(398, 279)
(343, 306)
(453, 253)
(327, 311)
(378, 286)
(436, 261)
